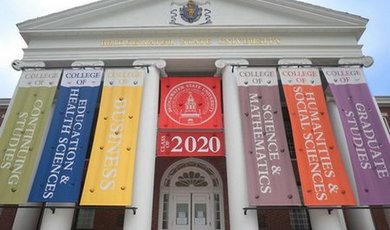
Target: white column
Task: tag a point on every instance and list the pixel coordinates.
(146, 150)
(322, 219)
(58, 218)
(387, 214)
(359, 219)
(235, 162)
(356, 218)
(27, 218)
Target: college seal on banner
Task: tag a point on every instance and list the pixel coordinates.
(190, 103)
(190, 13)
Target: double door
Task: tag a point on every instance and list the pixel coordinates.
(192, 211)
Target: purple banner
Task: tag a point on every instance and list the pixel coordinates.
(369, 148)
(270, 176)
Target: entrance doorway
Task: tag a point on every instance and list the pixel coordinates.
(191, 197)
(192, 211)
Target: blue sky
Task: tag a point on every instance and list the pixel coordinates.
(375, 39)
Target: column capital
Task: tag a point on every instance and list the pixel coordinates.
(88, 63)
(294, 61)
(222, 63)
(365, 61)
(158, 63)
(20, 64)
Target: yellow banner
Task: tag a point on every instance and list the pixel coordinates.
(109, 179)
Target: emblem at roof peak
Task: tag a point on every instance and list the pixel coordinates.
(190, 13)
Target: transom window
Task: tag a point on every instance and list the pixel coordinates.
(191, 178)
(195, 174)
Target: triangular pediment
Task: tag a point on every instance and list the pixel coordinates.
(152, 13)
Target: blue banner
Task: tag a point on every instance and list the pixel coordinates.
(61, 167)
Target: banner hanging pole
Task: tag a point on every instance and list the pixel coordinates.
(20, 65)
(365, 61)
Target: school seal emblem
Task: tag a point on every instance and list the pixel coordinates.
(190, 103)
(191, 12)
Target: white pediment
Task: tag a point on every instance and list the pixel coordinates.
(157, 13)
(144, 29)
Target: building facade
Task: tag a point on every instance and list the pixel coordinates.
(186, 163)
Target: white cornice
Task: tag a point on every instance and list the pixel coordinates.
(191, 53)
(383, 101)
(356, 31)
(195, 28)
(275, 29)
(4, 102)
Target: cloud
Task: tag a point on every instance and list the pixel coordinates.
(11, 43)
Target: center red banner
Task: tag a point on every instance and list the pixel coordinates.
(190, 103)
(176, 144)
(323, 177)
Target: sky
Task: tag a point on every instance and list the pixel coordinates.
(375, 39)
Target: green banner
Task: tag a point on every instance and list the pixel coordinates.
(22, 133)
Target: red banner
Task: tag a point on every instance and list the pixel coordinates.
(323, 177)
(184, 144)
(190, 103)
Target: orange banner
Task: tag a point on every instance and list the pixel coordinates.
(323, 178)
